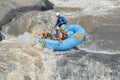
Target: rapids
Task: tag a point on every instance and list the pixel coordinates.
(98, 57)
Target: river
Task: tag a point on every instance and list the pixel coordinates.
(97, 58)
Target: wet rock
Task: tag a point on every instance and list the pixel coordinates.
(0, 36)
(33, 20)
(11, 8)
(0, 33)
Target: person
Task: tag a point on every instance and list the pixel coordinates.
(49, 34)
(58, 35)
(64, 33)
(60, 20)
(43, 36)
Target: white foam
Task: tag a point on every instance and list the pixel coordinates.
(91, 7)
(26, 38)
(99, 51)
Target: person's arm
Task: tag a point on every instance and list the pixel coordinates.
(56, 24)
(60, 36)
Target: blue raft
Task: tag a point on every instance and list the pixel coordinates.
(76, 35)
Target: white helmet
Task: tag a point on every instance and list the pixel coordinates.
(57, 14)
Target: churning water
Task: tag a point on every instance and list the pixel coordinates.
(21, 58)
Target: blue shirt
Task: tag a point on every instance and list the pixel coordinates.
(59, 20)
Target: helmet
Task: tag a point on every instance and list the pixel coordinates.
(43, 32)
(63, 26)
(57, 28)
(53, 32)
(49, 32)
(57, 14)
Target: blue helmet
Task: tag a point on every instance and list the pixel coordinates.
(63, 26)
(53, 31)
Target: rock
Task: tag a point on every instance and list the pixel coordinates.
(11, 8)
(1, 34)
(0, 37)
(34, 20)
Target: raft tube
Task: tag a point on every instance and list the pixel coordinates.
(76, 35)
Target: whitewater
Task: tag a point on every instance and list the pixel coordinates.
(98, 57)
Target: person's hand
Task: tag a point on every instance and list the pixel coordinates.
(60, 23)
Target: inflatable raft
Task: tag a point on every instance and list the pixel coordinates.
(76, 35)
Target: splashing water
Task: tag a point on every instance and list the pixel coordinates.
(22, 58)
(23, 61)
